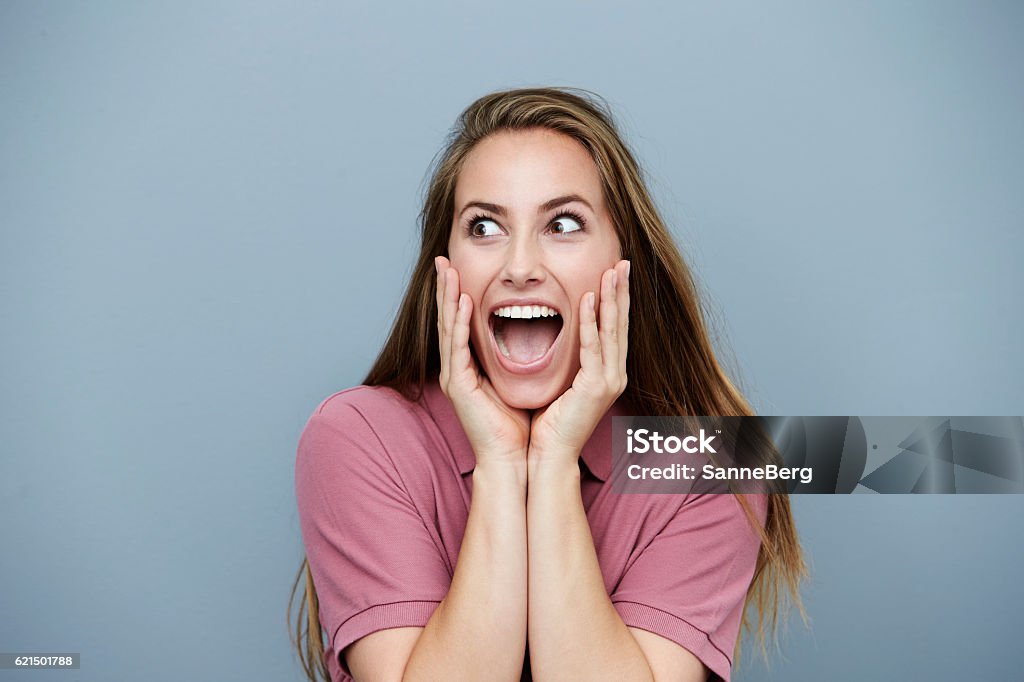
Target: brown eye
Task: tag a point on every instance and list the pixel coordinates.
(565, 224)
(478, 228)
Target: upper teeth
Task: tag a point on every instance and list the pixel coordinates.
(526, 311)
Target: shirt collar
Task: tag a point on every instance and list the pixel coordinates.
(596, 454)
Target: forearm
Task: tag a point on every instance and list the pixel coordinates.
(574, 630)
(479, 630)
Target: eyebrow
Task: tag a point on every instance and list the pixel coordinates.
(546, 206)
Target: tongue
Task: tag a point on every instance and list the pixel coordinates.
(528, 340)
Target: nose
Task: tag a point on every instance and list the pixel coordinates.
(524, 264)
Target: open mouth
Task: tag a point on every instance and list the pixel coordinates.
(525, 335)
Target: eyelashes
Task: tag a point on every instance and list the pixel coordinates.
(567, 213)
(471, 223)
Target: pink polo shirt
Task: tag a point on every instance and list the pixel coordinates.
(383, 488)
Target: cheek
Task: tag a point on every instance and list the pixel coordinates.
(584, 280)
(471, 282)
(477, 270)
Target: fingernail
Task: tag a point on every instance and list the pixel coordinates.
(627, 268)
(437, 264)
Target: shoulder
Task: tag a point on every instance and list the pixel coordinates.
(374, 426)
(356, 421)
(369, 404)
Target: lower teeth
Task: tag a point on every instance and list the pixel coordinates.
(502, 348)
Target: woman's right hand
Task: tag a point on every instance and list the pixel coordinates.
(494, 429)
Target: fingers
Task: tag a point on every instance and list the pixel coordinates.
(622, 300)
(454, 311)
(604, 338)
(447, 284)
(609, 323)
(440, 265)
(590, 343)
(461, 359)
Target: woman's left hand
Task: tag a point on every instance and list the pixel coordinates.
(561, 429)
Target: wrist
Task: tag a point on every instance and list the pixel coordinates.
(504, 472)
(560, 465)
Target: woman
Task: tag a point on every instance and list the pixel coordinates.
(426, 557)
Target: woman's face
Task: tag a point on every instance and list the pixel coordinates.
(525, 262)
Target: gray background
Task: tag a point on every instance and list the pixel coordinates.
(208, 216)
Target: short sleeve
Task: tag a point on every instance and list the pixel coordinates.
(690, 583)
(374, 563)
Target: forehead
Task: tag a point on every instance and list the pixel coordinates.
(526, 168)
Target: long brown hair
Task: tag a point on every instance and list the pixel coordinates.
(664, 309)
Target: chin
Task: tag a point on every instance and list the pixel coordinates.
(530, 393)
